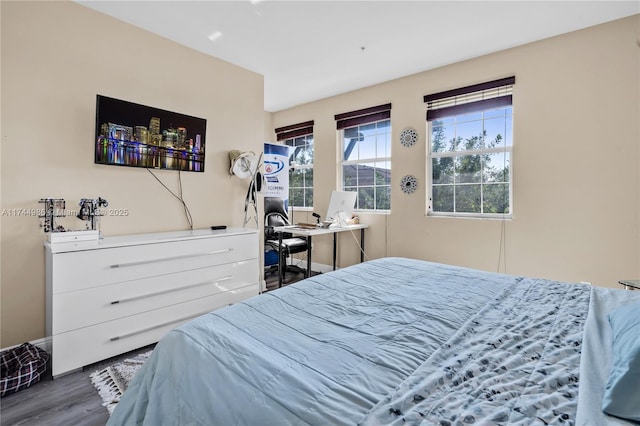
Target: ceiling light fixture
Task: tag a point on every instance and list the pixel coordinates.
(215, 36)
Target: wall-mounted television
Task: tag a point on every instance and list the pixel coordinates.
(130, 134)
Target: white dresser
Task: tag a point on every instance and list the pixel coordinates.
(116, 294)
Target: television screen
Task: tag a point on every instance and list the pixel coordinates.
(130, 134)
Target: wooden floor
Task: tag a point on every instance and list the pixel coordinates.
(71, 399)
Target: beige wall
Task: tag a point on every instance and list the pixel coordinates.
(576, 158)
(56, 56)
(576, 153)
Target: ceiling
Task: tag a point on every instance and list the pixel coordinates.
(309, 50)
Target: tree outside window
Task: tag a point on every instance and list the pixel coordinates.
(470, 159)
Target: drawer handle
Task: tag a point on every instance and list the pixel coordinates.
(143, 296)
(144, 330)
(164, 259)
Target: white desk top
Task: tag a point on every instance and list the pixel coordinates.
(296, 230)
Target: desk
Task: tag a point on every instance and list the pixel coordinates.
(308, 233)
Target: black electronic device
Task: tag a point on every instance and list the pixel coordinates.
(216, 227)
(317, 216)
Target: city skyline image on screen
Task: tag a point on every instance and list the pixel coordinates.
(130, 134)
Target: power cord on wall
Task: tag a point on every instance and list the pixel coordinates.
(358, 243)
(386, 240)
(187, 213)
(502, 251)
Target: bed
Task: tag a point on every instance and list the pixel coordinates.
(391, 341)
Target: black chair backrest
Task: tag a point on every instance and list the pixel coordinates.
(275, 205)
(274, 219)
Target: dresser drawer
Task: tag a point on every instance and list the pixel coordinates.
(91, 344)
(98, 267)
(82, 308)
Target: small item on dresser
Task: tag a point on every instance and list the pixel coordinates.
(53, 208)
(90, 211)
(216, 227)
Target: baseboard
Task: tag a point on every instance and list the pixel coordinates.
(43, 343)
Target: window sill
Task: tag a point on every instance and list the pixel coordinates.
(374, 212)
(470, 216)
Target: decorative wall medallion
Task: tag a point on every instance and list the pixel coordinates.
(408, 137)
(409, 184)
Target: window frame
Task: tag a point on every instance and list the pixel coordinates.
(387, 159)
(455, 154)
(291, 133)
(293, 167)
(478, 98)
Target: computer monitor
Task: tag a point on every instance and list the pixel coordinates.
(341, 201)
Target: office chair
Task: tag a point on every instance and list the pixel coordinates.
(276, 215)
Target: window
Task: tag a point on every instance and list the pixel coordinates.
(301, 171)
(300, 138)
(365, 137)
(471, 141)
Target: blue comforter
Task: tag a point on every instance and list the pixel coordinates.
(358, 344)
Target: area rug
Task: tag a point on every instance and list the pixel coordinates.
(112, 381)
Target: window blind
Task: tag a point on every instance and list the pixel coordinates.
(294, 130)
(477, 97)
(363, 116)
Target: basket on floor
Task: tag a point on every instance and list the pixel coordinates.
(20, 367)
